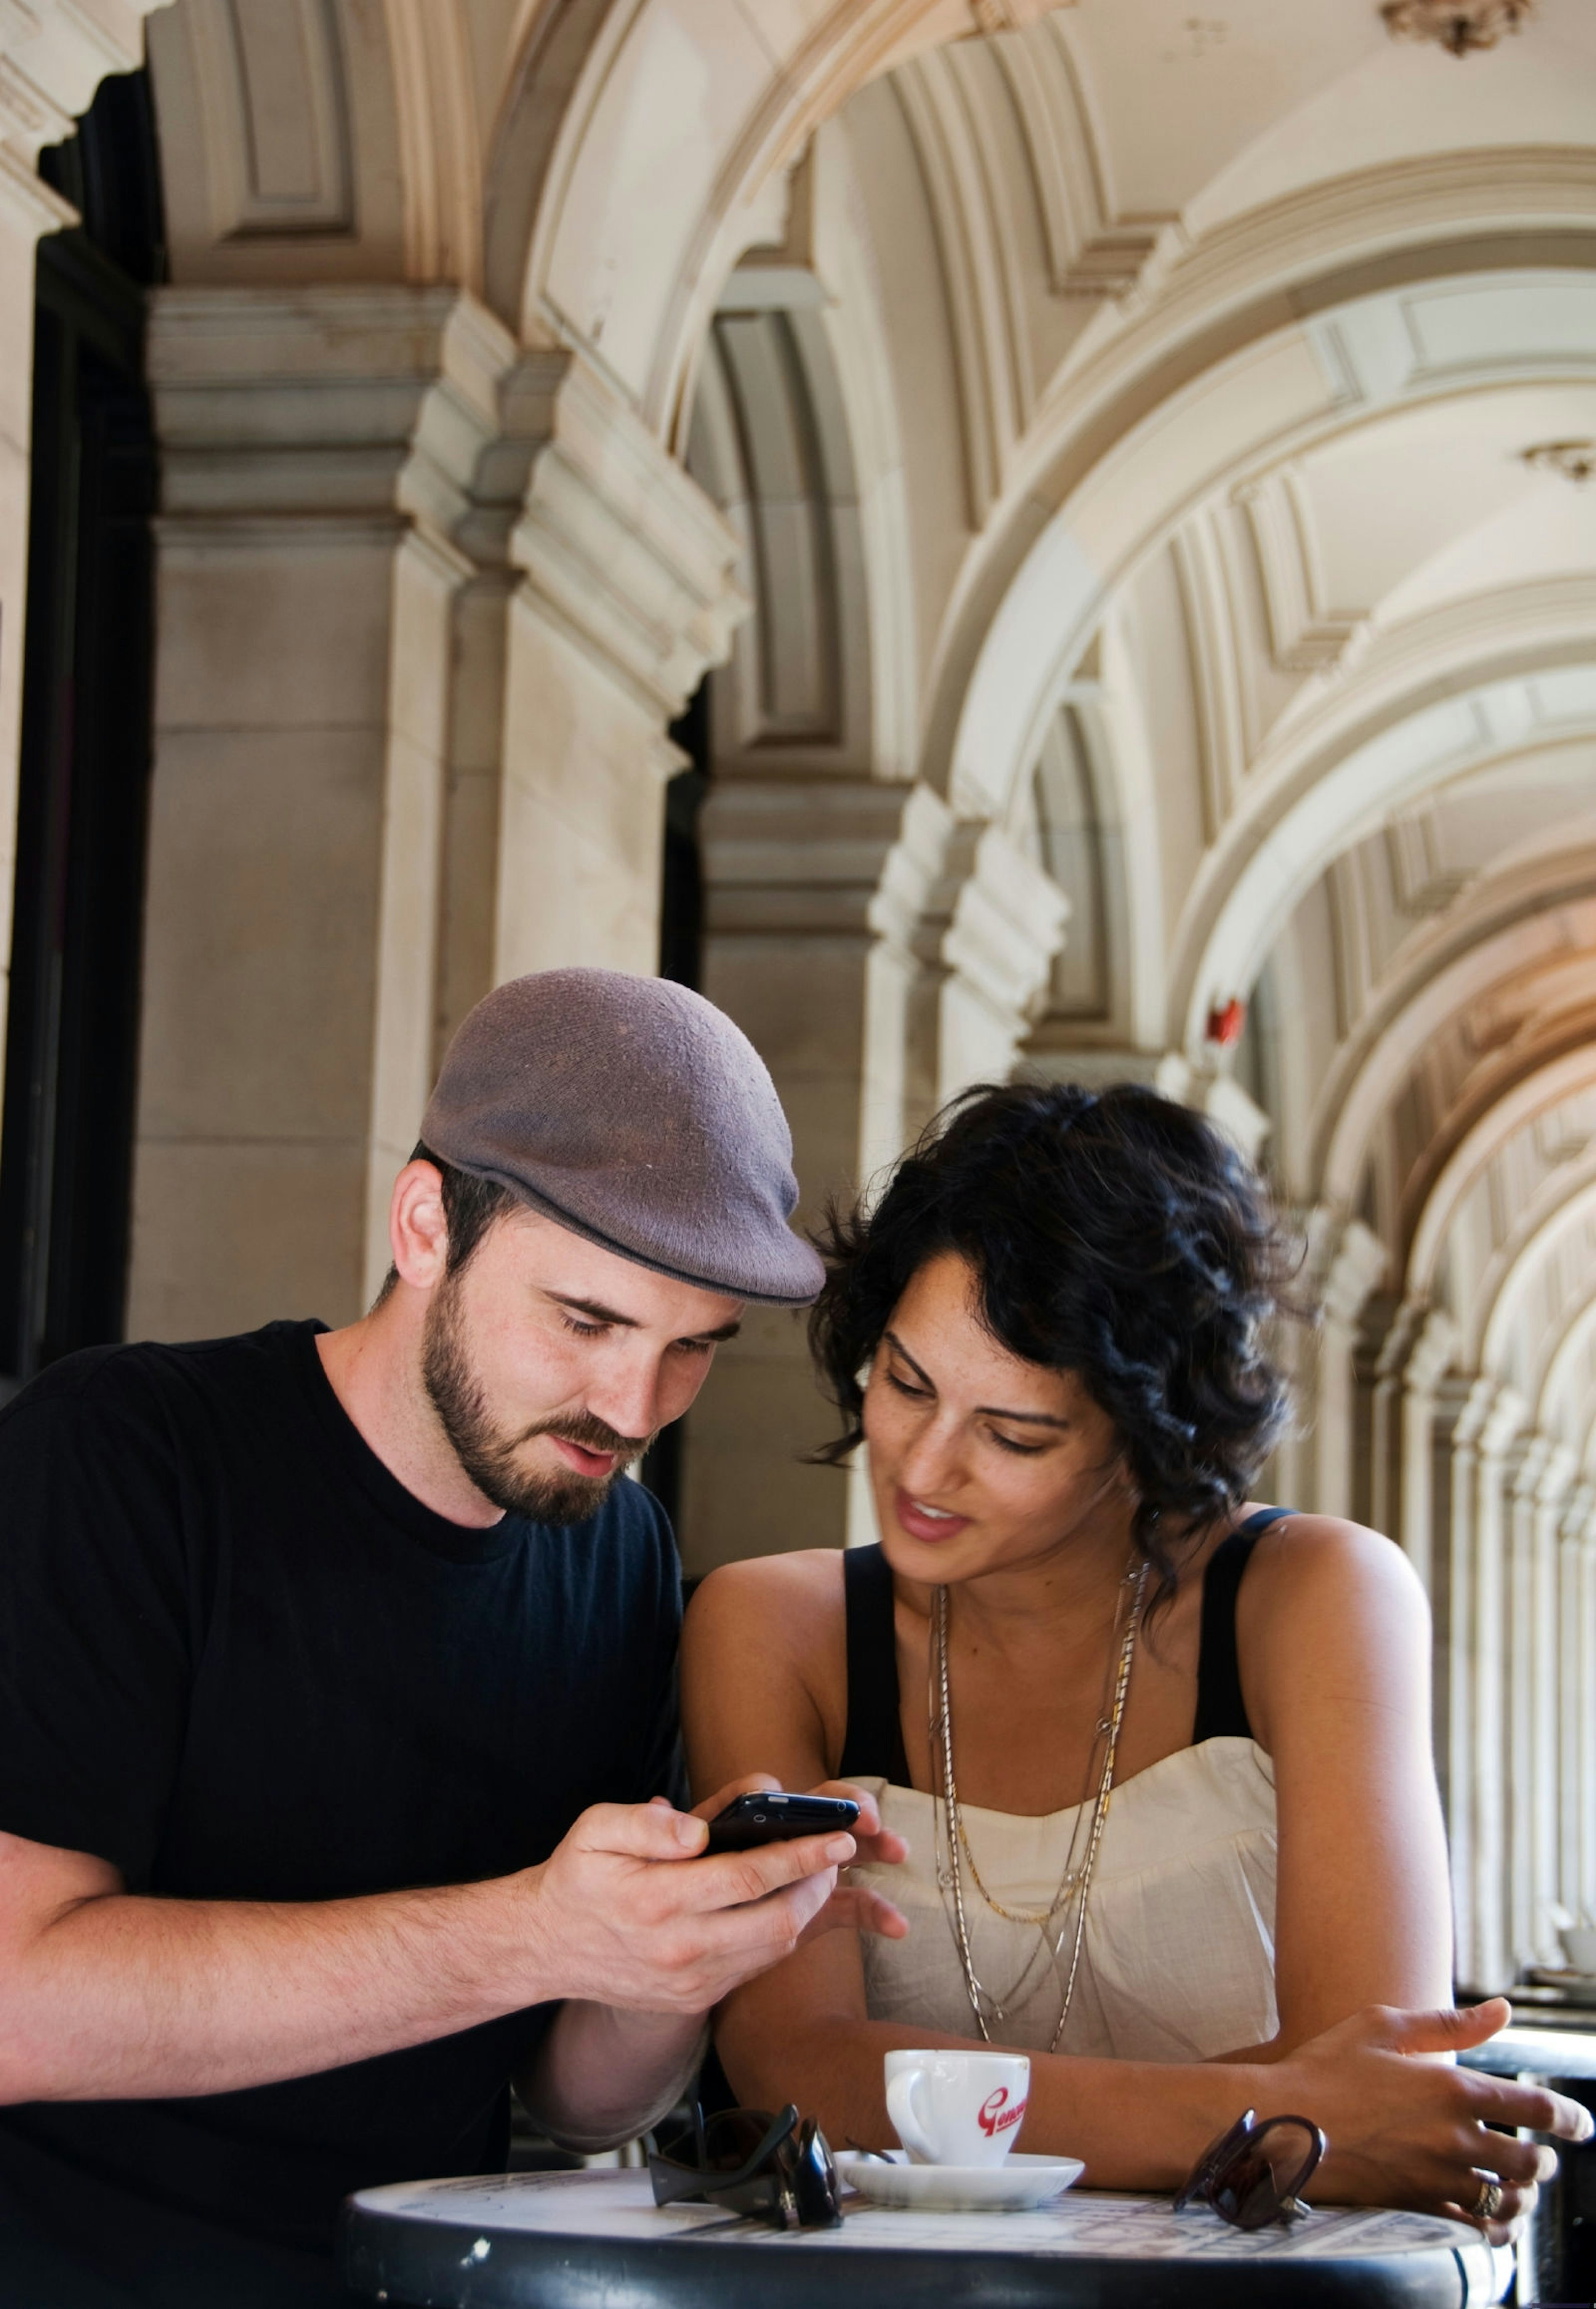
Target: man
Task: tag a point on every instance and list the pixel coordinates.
(338, 1770)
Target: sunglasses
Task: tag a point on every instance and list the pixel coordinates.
(1250, 2174)
(774, 2168)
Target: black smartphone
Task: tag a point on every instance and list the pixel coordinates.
(775, 1819)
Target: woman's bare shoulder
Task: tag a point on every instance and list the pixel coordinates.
(1303, 1559)
(786, 1600)
(764, 1669)
(1328, 1604)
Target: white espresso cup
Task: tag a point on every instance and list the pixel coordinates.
(956, 2109)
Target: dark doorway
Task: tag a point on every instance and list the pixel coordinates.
(72, 1029)
(680, 953)
(681, 873)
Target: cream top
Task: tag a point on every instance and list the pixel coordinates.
(1178, 1958)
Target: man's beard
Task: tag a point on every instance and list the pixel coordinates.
(489, 1452)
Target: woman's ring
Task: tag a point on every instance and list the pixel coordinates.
(1487, 2204)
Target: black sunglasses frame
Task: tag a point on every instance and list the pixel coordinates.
(1239, 2182)
(786, 2177)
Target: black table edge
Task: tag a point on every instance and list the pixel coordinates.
(436, 2265)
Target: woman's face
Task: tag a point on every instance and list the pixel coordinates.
(980, 1461)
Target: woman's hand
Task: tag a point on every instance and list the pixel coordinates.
(853, 1908)
(1406, 2128)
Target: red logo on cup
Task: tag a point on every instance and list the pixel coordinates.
(995, 2115)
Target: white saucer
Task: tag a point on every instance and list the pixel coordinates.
(1018, 2185)
(1578, 1987)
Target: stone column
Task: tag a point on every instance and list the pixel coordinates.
(880, 955)
(791, 869)
(1352, 1260)
(53, 56)
(1406, 1366)
(627, 594)
(1523, 1466)
(1489, 1664)
(1461, 1406)
(346, 848)
(1551, 1695)
(1576, 1552)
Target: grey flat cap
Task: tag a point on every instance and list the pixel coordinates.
(637, 1114)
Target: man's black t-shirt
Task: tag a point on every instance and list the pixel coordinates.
(240, 1661)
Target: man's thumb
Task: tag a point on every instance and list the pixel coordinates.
(1452, 2029)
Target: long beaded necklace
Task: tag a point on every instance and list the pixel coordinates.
(981, 1998)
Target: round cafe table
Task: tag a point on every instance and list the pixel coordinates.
(596, 2240)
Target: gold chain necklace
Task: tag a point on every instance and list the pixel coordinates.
(981, 1998)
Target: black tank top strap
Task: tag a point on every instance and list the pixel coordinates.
(873, 1744)
(1221, 1711)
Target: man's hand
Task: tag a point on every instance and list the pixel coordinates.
(631, 1912)
(856, 1906)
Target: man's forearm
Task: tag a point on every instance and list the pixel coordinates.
(123, 1997)
(602, 2076)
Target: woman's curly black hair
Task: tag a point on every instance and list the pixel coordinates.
(1113, 1234)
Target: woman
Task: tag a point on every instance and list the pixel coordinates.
(1048, 1332)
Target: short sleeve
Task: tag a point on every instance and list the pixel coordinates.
(95, 1618)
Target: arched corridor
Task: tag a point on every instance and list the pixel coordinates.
(1126, 478)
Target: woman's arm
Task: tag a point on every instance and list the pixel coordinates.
(1333, 1635)
(763, 1684)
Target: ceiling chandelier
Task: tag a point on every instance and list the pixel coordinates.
(1459, 25)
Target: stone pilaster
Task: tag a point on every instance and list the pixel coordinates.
(1499, 1415)
(971, 926)
(1577, 1600)
(626, 593)
(1407, 1363)
(881, 954)
(355, 750)
(1523, 1464)
(1351, 1262)
(792, 865)
(1459, 1407)
(1550, 1696)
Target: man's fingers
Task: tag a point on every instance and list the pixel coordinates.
(732, 1878)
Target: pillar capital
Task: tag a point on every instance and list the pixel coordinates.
(799, 855)
(1349, 1259)
(1504, 1416)
(344, 403)
(616, 544)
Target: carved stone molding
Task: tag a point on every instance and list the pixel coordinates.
(1012, 16)
(1456, 25)
(983, 924)
(53, 56)
(621, 546)
(373, 404)
(276, 404)
(794, 857)
(1308, 631)
(1352, 1261)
